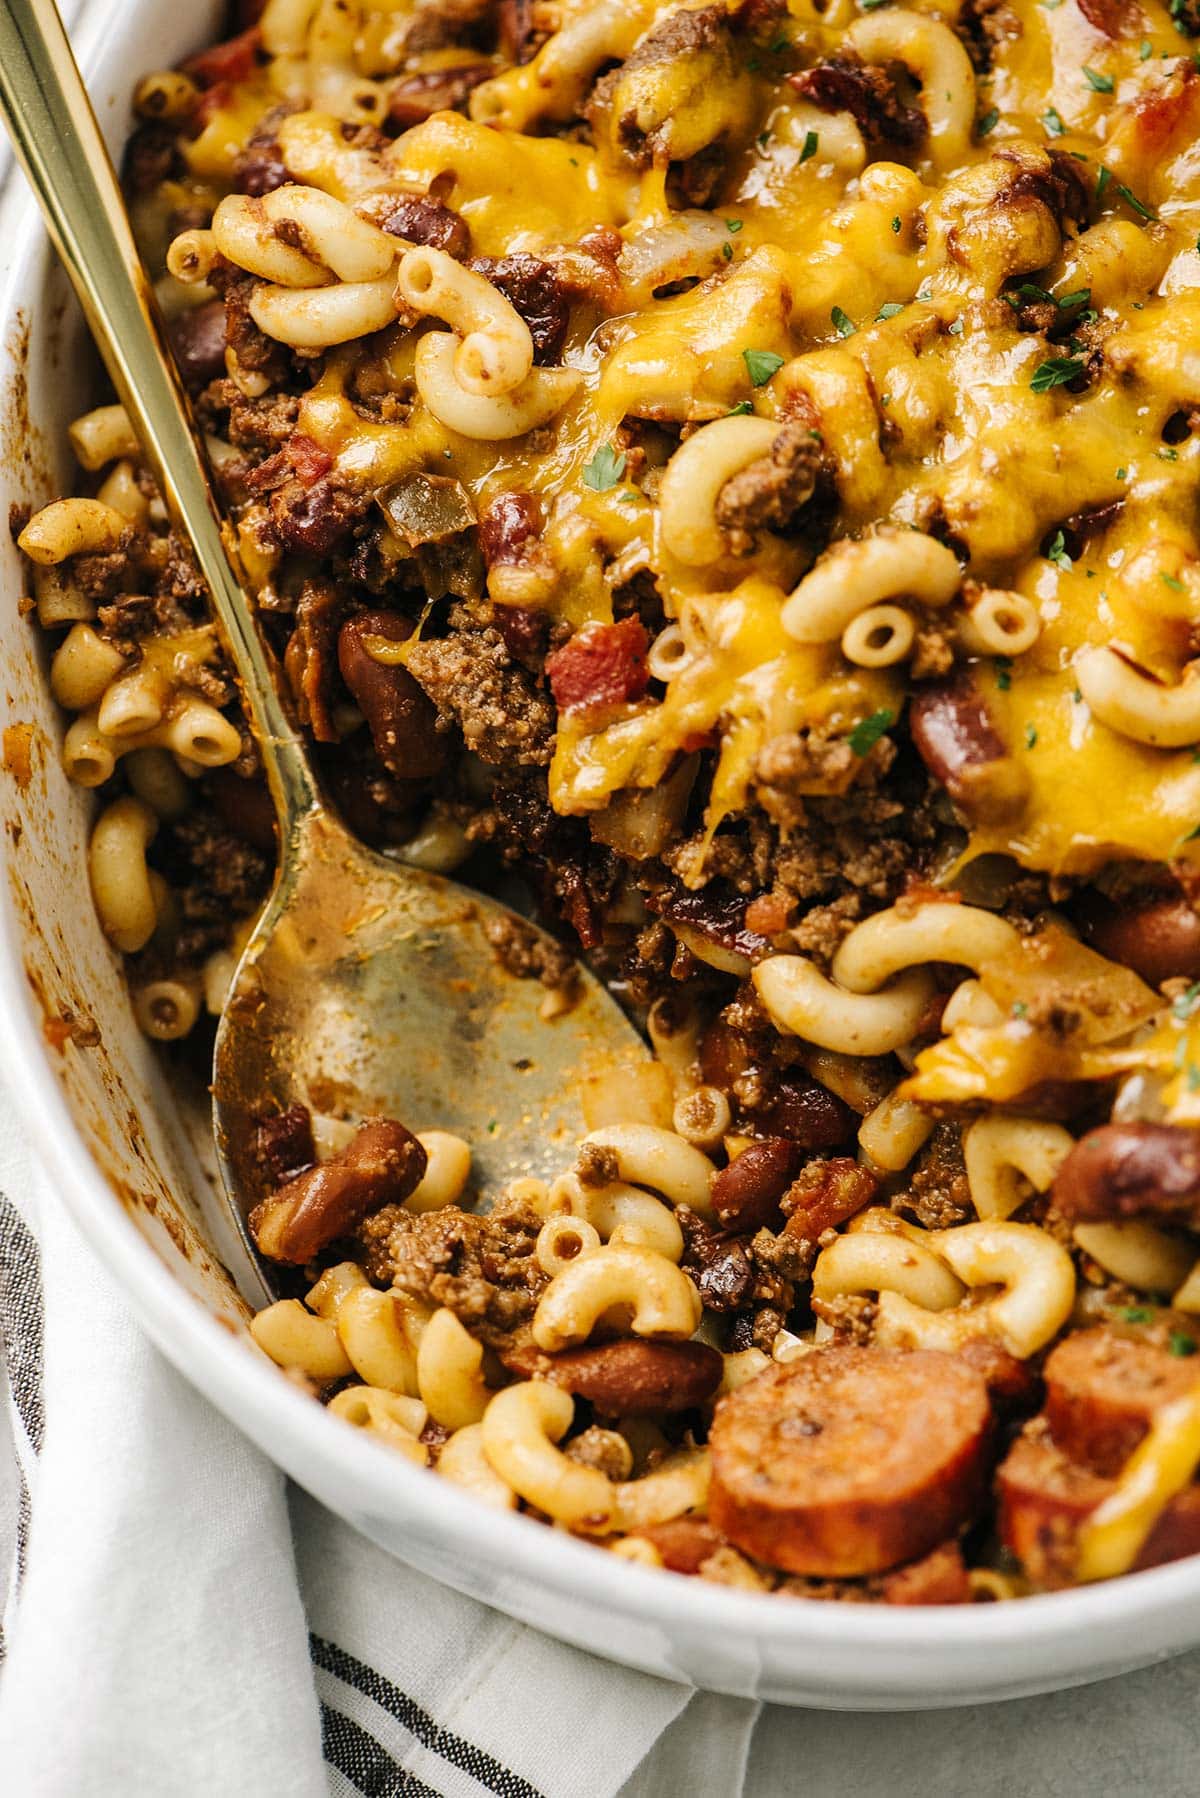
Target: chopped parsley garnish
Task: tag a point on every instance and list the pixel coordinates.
(956, 329)
(1191, 835)
(605, 469)
(1099, 84)
(1019, 1008)
(727, 251)
(896, 226)
(1052, 120)
(1056, 371)
(867, 733)
(740, 410)
(1172, 581)
(988, 122)
(1080, 297)
(1143, 211)
(871, 5)
(1167, 455)
(763, 139)
(733, 225)
(761, 365)
(1102, 180)
(1185, 1005)
(1056, 551)
(1030, 735)
(1136, 1314)
(1181, 1344)
(888, 310)
(1145, 50)
(1121, 473)
(924, 292)
(843, 324)
(1003, 665)
(809, 147)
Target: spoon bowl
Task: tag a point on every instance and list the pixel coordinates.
(374, 989)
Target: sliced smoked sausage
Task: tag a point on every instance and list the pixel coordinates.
(1102, 1391)
(1132, 1170)
(956, 739)
(851, 1460)
(1044, 1498)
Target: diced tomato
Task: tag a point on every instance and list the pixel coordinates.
(768, 914)
(603, 664)
(231, 61)
(1164, 114)
(308, 459)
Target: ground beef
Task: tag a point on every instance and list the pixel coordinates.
(768, 493)
(984, 27)
(477, 687)
(600, 1449)
(844, 83)
(255, 351)
(262, 424)
(217, 877)
(482, 1268)
(528, 954)
(938, 1195)
(311, 660)
(733, 1275)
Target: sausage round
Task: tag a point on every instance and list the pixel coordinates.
(1132, 1170)
(1044, 1498)
(851, 1460)
(399, 714)
(1102, 1391)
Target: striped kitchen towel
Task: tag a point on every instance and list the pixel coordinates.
(179, 1623)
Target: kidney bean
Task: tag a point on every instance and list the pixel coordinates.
(415, 98)
(685, 1543)
(958, 743)
(381, 1165)
(629, 1378)
(808, 1113)
(507, 526)
(746, 1194)
(198, 343)
(540, 295)
(1159, 939)
(245, 806)
(1132, 1170)
(419, 219)
(400, 716)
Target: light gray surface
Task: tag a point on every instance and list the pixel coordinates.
(1138, 1735)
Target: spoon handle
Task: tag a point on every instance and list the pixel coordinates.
(58, 143)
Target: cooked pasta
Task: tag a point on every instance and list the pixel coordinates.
(733, 468)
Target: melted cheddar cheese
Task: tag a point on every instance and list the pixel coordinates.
(891, 290)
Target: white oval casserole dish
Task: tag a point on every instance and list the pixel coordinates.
(119, 1145)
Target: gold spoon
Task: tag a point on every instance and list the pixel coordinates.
(368, 987)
